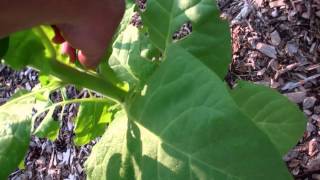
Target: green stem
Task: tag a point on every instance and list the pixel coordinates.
(76, 76)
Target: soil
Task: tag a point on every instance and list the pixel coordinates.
(275, 43)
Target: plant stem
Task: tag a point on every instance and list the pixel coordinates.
(83, 79)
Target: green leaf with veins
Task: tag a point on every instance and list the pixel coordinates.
(132, 53)
(273, 113)
(91, 121)
(104, 70)
(185, 126)
(4, 45)
(126, 59)
(209, 32)
(15, 128)
(48, 128)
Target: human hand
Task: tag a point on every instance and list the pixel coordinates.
(80, 24)
(90, 33)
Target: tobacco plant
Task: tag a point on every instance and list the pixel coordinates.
(169, 114)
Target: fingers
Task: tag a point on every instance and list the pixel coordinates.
(89, 57)
(70, 51)
(66, 48)
(89, 61)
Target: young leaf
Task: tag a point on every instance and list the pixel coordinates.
(185, 126)
(49, 81)
(91, 121)
(273, 113)
(126, 59)
(209, 32)
(4, 45)
(15, 127)
(48, 128)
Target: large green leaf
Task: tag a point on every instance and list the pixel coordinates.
(185, 126)
(91, 121)
(273, 113)
(15, 128)
(210, 38)
(4, 45)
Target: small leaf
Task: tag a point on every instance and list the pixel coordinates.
(4, 45)
(21, 165)
(126, 59)
(48, 128)
(48, 80)
(91, 121)
(130, 49)
(273, 113)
